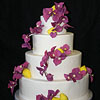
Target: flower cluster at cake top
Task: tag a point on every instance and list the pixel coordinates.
(57, 55)
(19, 71)
(79, 73)
(58, 13)
(60, 21)
(52, 96)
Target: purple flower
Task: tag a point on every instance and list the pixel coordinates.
(39, 24)
(41, 97)
(45, 57)
(53, 34)
(66, 26)
(66, 49)
(57, 59)
(52, 93)
(17, 76)
(83, 73)
(65, 10)
(63, 19)
(26, 45)
(59, 5)
(89, 71)
(56, 16)
(41, 70)
(59, 11)
(49, 77)
(73, 76)
(47, 12)
(31, 30)
(77, 73)
(59, 28)
(25, 64)
(26, 38)
(51, 53)
(68, 78)
(37, 29)
(18, 69)
(11, 85)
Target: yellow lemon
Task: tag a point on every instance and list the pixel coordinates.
(83, 68)
(53, 7)
(55, 98)
(61, 50)
(63, 97)
(26, 73)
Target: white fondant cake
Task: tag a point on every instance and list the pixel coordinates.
(47, 25)
(38, 84)
(28, 89)
(44, 42)
(73, 60)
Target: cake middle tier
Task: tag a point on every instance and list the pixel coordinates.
(44, 42)
(71, 61)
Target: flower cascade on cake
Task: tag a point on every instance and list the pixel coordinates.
(19, 71)
(57, 55)
(58, 13)
(79, 73)
(52, 96)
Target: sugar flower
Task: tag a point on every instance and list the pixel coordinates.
(52, 32)
(66, 49)
(11, 85)
(47, 12)
(51, 94)
(26, 45)
(49, 77)
(41, 97)
(17, 74)
(67, 77)
(26, 38)
(89, 71)
(78, 73)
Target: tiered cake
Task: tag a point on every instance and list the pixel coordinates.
(59, 63)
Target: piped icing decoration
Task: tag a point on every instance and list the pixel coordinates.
(57, 55)
(19, 71)
(79, 73)
(58, 13)
(52, 95)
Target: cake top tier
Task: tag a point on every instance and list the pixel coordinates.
(53, 21)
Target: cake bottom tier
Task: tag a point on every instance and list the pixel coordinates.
(87, 96)
(29, 88)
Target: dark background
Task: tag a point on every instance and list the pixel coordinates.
(16, 16)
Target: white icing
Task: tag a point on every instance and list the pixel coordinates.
(75, 91)
(45, 42)
(71, 61)
(48, 25)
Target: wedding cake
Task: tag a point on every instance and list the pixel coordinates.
(52, 70)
